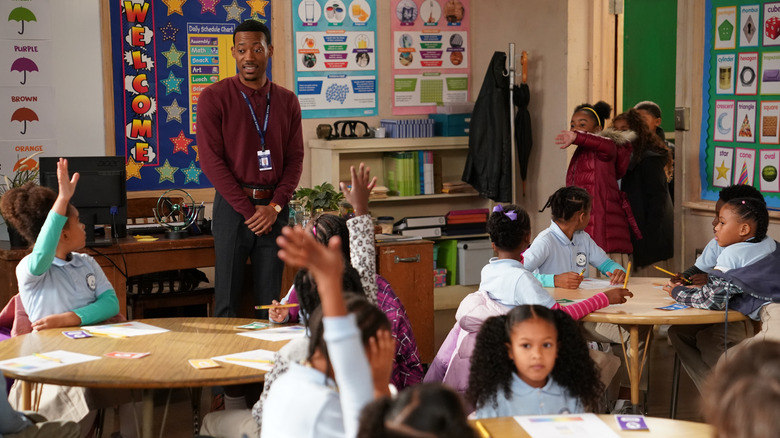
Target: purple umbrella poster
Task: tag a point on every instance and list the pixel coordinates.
(25, 19)
(164, 53)
(25, 63)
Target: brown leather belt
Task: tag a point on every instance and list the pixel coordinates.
(258, 193)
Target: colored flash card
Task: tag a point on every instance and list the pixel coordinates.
(724, 79)
(745, 166)
(631, 422)
(126, 355)
(564, 301)
(77, 334)
(676, 306)
(253, 326)
(748, 25)
(771, 24)
(746, 121)
(724, 120)
(203, 364)
(747, 73)
(722, 165)
(769, 163)
(725, 23)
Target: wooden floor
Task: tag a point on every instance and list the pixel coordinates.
(661, 364)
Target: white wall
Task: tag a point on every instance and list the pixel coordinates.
(78, 77)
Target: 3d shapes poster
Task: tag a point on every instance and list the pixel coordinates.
(741, 98)
(335, 57)
(430, 54)
(165, 52)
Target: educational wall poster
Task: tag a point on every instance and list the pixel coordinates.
(724, 159)
(165, 52)
(746, 121)
(335, 57)
(741, 98)
(748, 25)
(745, 166)
(726, 19)
(431, 54)
(769, 162)
(747, 73)
(27, 106)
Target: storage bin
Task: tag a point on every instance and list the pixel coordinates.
(447, 258)
(450, 125)
(473, 255)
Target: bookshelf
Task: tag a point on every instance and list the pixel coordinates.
(331, 160)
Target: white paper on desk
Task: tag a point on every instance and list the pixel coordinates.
(592, 283)
(32, 363)
(235, 359)
(565, 426)
(129, 328)
(277, 334)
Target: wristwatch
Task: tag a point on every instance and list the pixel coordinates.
(276, 207)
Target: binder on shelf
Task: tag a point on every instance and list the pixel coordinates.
(419, 222)
(422, 232)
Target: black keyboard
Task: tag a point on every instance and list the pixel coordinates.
(145, 229)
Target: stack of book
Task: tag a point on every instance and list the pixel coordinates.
(457, 187)
(410, 173)
(378, 192)
(466, 222)
(423, 226)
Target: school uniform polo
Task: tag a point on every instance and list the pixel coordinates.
(552, 253)
(707, 259)
(742, 254)
(550, 399)
(508, 282)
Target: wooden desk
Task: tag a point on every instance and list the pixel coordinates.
(642, 310)
(166, 367)
(659, 427)
(138, 258)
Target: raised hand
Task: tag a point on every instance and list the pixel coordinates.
(565, 138)
(362, 184)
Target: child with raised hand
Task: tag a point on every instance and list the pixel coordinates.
(340, 344)
(532, 361)
(601, 159)
(505, 283)
(745, 279)
(559, 256)
(58, 286)
(428, 410)
(357, 244)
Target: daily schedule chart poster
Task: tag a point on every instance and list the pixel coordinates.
(335, 57)
(740, 140)
(27, 110)
(431, 54)
(164, 53)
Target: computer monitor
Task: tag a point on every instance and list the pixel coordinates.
(101, 193)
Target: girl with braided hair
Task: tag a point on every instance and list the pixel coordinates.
(559, 256)
(532, 361)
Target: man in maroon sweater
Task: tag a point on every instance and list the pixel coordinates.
(251, 149)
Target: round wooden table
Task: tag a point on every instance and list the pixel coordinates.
(166, 366)
(659, 427)
(642, 309)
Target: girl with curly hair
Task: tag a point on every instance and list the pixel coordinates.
(532, 361)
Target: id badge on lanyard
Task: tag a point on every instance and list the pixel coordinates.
(263, 156)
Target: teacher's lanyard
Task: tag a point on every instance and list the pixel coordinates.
(260, 132)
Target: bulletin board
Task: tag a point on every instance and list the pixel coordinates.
(335, 57)
(164, 53)
(740, 135)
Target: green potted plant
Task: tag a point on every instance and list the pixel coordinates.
(324, 196)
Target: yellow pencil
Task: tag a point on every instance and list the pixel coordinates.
(53, 359)
(671, 273)
(238, 359)
(276, 306)
(628, 272)
(582, 272)
(483, 432)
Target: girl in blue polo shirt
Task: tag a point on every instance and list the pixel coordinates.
(560, 255)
